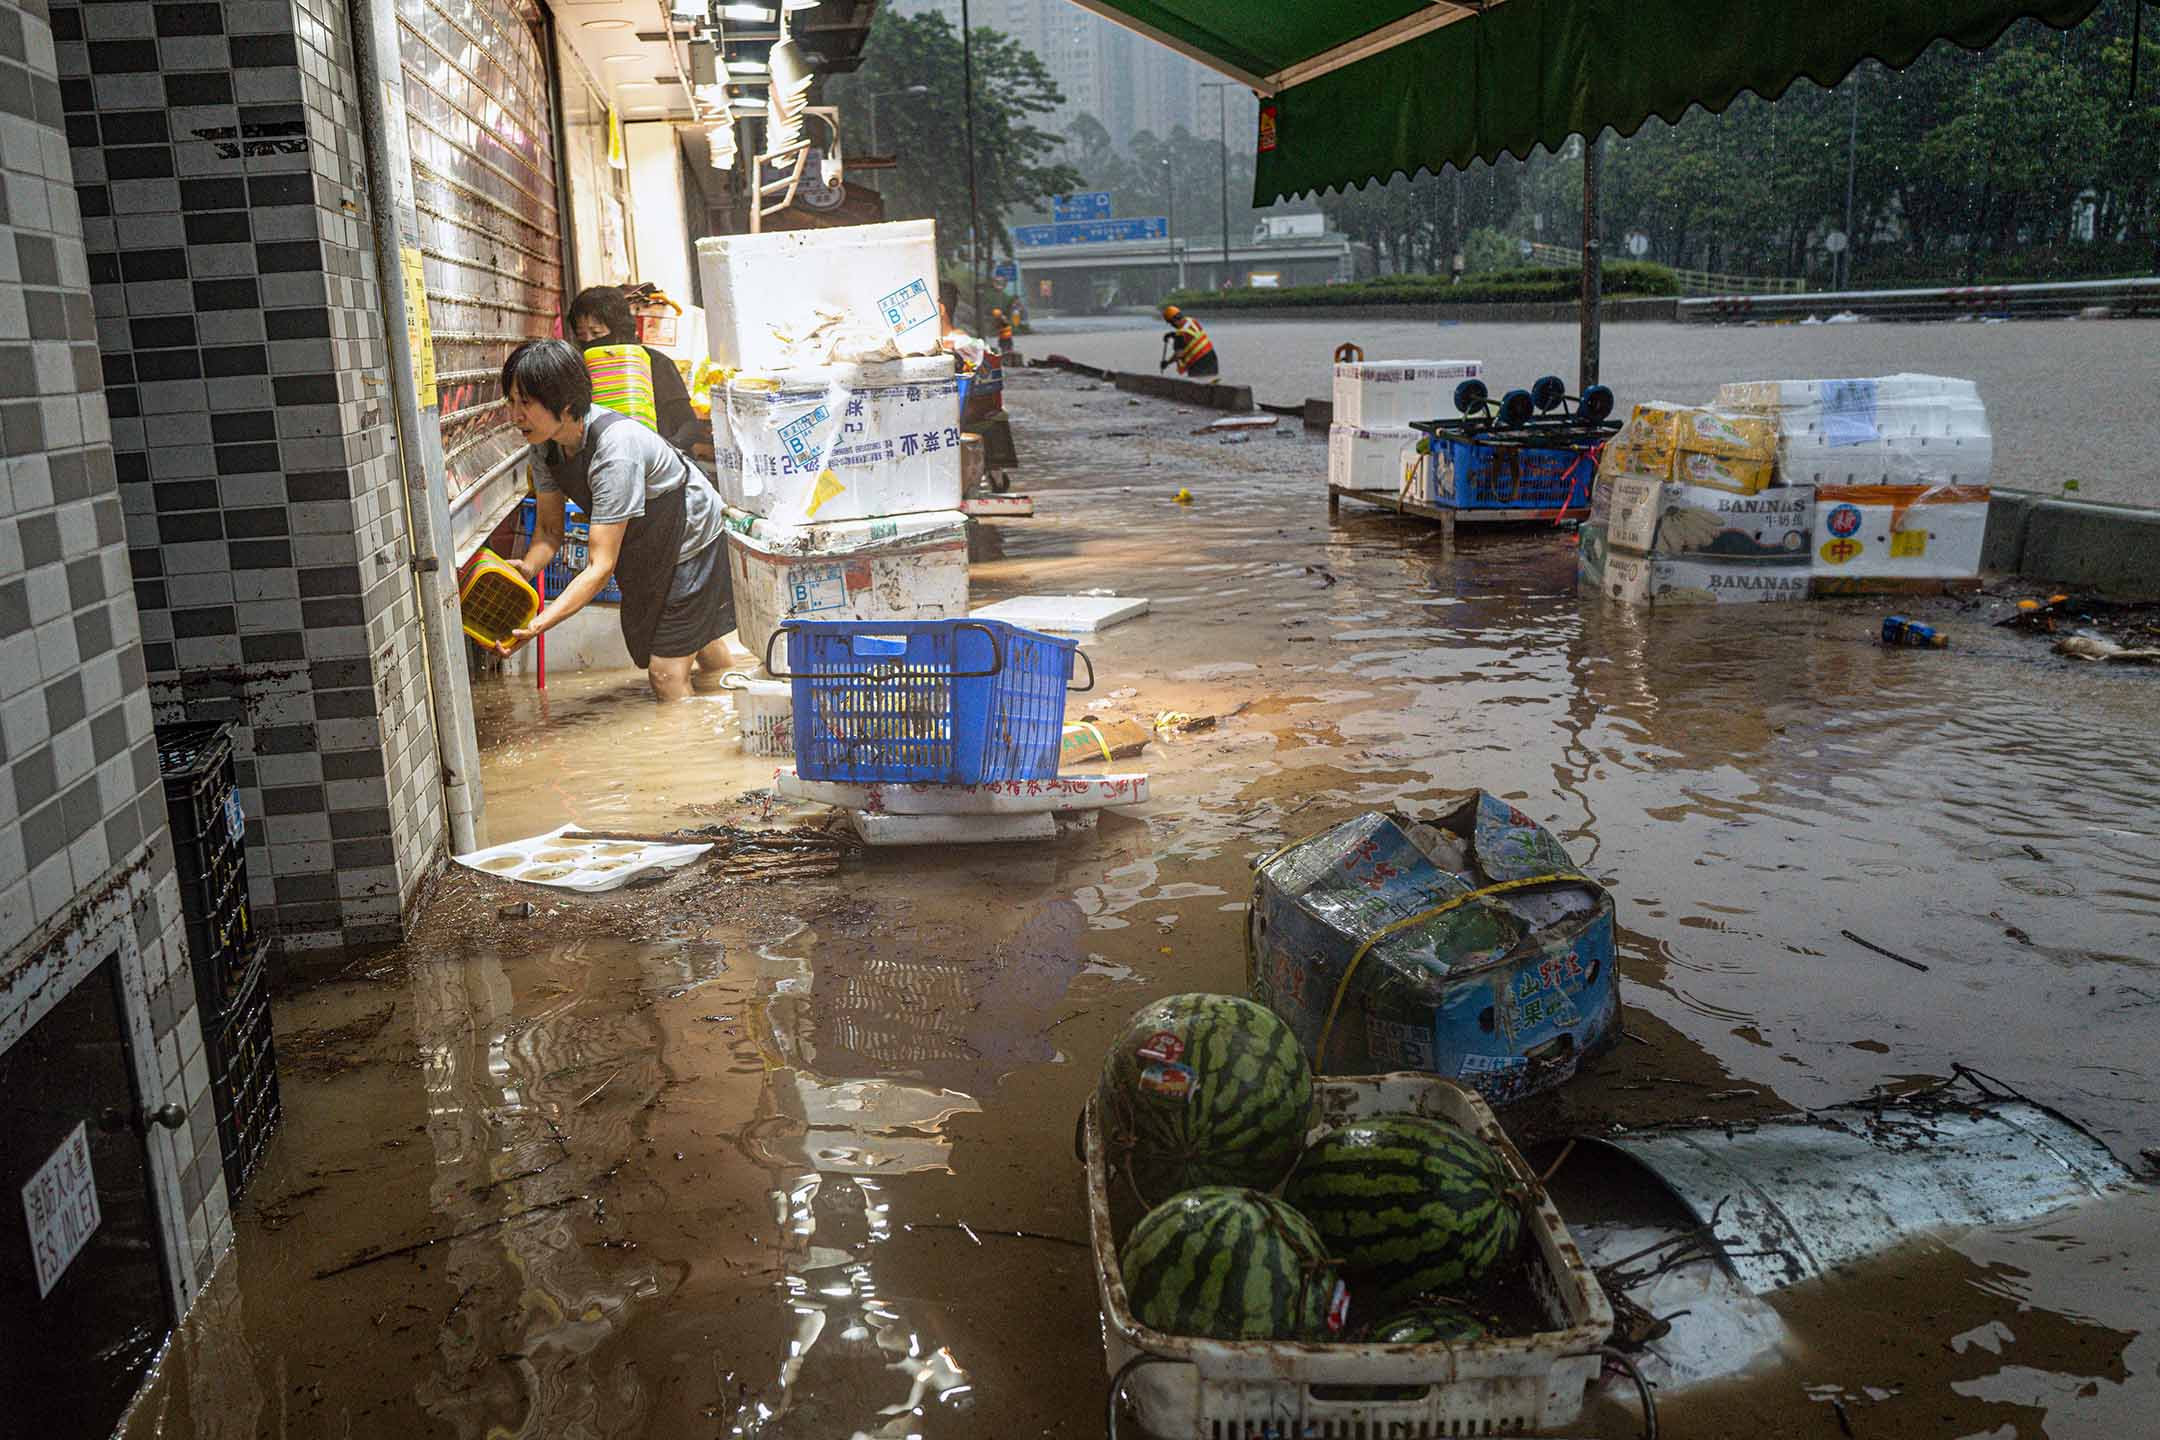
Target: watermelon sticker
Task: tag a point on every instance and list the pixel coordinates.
(1163, 1045)
(1170, 1081)
(1338, 1310)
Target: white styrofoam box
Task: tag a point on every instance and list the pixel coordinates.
(1914, 460)
(1671, 580)
(765, 293)
(764, 712)
(841, 442)
(907, 567)
(590, 866)
(1379, 458)
(1377, 393)
(1806, 394)
(1921, 532)
(1662, 517)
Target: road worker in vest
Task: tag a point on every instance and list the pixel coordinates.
(1002, 325)
(1188, 346)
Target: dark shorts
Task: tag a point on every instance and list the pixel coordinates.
(700, 605)
(1205, 365)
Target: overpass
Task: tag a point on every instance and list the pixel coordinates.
(1095, 275)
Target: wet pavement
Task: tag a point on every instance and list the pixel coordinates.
(2055, 389)
(737, 1159)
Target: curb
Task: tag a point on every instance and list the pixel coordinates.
(1648, 308)
(1234, 398)
(2114, 549)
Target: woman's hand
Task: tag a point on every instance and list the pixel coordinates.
(518, 637)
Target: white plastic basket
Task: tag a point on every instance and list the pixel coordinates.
(764, 713)
(1246, 1390)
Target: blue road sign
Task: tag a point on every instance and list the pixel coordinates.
(1006, 271)
(1086, 205)
(1091, 232)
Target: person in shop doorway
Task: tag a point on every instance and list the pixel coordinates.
(1188, 347)
(600, 316)
(655, 521)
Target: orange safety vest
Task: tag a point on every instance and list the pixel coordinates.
(1193, 342)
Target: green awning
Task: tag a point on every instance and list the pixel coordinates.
(1364, 89)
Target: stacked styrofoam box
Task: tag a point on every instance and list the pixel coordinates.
(1382, 458)
(901, 567)
(841, 442)
(838, 435)
(1370, 443)
(778, 300)
(1901, 466)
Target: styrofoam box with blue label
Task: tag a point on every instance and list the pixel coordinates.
(769, 297)
(1899, 532)
(1379, 458)
(1374, 394)
(903, 567)
(841, 442)
(1469, 946)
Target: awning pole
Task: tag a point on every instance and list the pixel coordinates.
(1592, 279)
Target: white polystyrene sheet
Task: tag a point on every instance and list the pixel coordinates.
(1066, 614)
(586, 866)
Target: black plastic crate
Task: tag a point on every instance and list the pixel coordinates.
(221, 946)
(243, 1077)
(201, 796)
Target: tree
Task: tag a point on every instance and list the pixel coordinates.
(928, 132)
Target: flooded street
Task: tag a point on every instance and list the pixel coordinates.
(721, 1158)
(2050, 425)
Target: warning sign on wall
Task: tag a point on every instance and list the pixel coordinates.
(60, 1203)
(419, 333)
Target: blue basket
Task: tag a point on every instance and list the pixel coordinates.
(927, 702)
(572, 557)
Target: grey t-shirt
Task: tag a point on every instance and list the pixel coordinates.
(624, 464)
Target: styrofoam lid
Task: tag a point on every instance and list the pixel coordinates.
(1398, 370)
(842, 537)
(883, 374)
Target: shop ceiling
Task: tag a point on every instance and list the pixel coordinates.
(627, 45)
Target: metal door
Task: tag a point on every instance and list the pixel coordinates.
(479, 115)
(74, 1357)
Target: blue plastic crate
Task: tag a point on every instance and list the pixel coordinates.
(1483, 472)
(571, 558)
(934, 702)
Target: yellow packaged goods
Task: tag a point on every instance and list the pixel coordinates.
(1723, 472)
(1715, 432)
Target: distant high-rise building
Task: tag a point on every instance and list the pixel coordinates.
(1125, 81)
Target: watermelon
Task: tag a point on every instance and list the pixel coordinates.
(1410, 1204)
(1226, 1263)
(1203, 1090)
(1428, 1324)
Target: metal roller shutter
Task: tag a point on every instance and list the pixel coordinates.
(479, 114)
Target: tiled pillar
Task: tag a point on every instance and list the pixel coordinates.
(86, 870)
(223, 189)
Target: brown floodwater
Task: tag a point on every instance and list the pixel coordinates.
(735, 1159)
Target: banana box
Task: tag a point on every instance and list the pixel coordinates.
(1720, 432)
(1651, 517)
(1741, 475)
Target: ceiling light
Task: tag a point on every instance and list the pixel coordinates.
(607, 24)
(795, 6)
(751, 14)
(747, 67)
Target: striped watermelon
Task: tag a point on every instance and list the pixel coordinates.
(1204, 1090)
(1416, 1204)
(1427, 1325)
(1225, 1263)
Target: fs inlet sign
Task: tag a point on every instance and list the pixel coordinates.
(60, 1204)
(1087, 205)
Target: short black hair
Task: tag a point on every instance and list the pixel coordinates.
(608, 305)
(551, 372)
